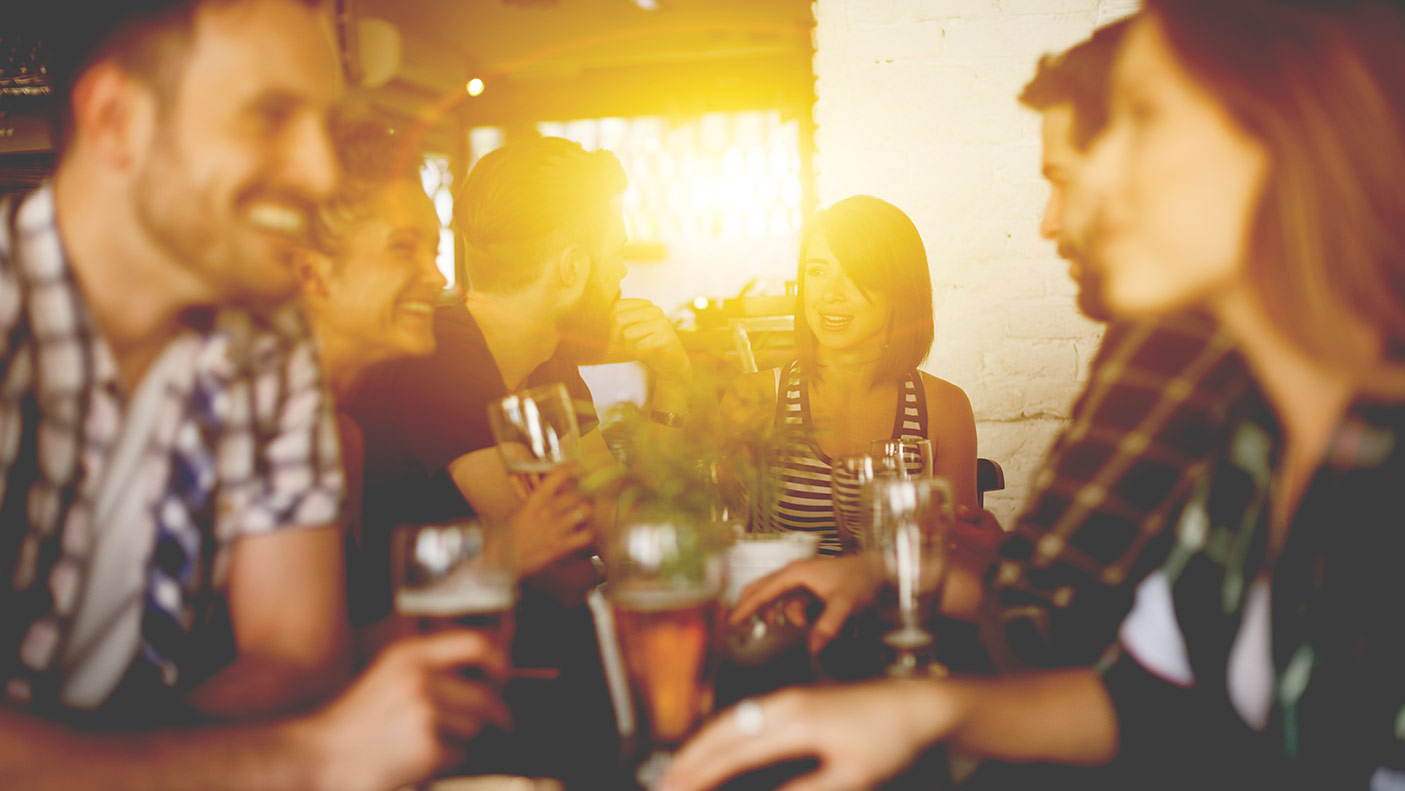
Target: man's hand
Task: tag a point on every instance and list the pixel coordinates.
(640, 328)
(844, 585)
(410, 713)
(552, 523)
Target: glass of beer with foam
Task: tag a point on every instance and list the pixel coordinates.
(665, 578)
(457, 574)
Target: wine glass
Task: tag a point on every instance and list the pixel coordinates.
(847, 477)
(913, 456)
(912, 521)
(535, 432)
(457, 574)
(665, 578)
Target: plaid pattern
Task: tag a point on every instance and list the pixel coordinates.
(1337, 718)
(1154, 409)
(275, 455)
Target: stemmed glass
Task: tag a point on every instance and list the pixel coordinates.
(848, 475)
(665, 577)
(457, 574)
(913, 456)
(912, 520)
(536, 432)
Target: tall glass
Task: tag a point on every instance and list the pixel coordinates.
(457, 574)
(913, 456)
(912, 522)
(665, 578)
(848, 475)
(535, 432)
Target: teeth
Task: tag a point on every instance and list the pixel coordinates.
(421, 308)
(835, 322)
(273, 217)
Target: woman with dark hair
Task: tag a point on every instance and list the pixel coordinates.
(1252, 170)
(863, 323)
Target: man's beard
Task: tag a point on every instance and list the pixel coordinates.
(585, 329)
(1091, 300)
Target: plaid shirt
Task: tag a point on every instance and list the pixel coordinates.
(61, 411)
(1153, 411)
(1333, 675)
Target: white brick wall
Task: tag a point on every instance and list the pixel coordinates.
(916, 104)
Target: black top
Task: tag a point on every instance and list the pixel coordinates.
(417, 416)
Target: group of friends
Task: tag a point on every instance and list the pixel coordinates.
(225, 376)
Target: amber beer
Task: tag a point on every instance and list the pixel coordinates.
(473, 605)
(666, 637)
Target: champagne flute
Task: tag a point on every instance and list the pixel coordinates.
(913, 456)
(665, 578)
(848, 475)
(912, 520)
(535, 432)
(456, 575)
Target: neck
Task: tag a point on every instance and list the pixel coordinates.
(1308, 395)
(134, 290)
(848, 370)
(519, 329)
(340, 364)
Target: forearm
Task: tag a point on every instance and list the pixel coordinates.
(1058, 717)
(963, 591)
(39, 756)
(255, 686)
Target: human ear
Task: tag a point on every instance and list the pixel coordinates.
(114, 114)
(313, 271)
(574, 266)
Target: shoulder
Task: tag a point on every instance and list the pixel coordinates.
(944, 398)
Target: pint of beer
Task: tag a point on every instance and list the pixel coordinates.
(456, 575)
(665, 579)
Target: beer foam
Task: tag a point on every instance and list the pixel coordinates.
(653, 600)
(453, 600)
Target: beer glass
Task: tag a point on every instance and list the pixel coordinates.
(457, 574)
(665, 577)
(853, 516)
(912, 522)
(535, 432)
(913, 456)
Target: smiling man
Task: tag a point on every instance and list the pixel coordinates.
(171, 482)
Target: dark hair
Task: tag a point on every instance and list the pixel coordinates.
(1321, 86)
(147, 38)
(371, 157)
(1079, 77)
(530, 199)
(881, 251)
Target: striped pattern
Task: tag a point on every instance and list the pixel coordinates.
(804, 501)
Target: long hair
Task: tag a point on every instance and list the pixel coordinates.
(881, 251)
(1321, 85)
(371, 158)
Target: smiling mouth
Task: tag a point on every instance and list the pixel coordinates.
(417, 308)
(278, 218)
(834, 323)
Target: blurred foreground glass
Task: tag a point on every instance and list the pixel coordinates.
(535, 432)
(913, 457)
(912, 521)
(848, 476)
(456, 575)
(665, 578)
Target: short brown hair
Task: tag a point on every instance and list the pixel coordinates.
(881, 251)
(1319, 85)
(530, 199)
(1078, 77)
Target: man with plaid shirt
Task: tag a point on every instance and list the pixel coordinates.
(170, 481)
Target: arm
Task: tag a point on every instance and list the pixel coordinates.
(864, 734)
(289, 618)
(951, 427)
(404, 719)
(844, 585)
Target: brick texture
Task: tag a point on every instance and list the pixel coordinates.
(916, 104)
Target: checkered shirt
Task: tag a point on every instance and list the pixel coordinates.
(1154, 409)
(61, 406)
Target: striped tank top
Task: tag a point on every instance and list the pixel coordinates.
(804, 500)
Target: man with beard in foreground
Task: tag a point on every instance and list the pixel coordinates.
(545, 232)
(170, 486)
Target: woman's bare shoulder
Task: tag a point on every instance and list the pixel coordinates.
(945, 398)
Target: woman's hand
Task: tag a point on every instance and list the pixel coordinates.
(861, 735)
(844, 585)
